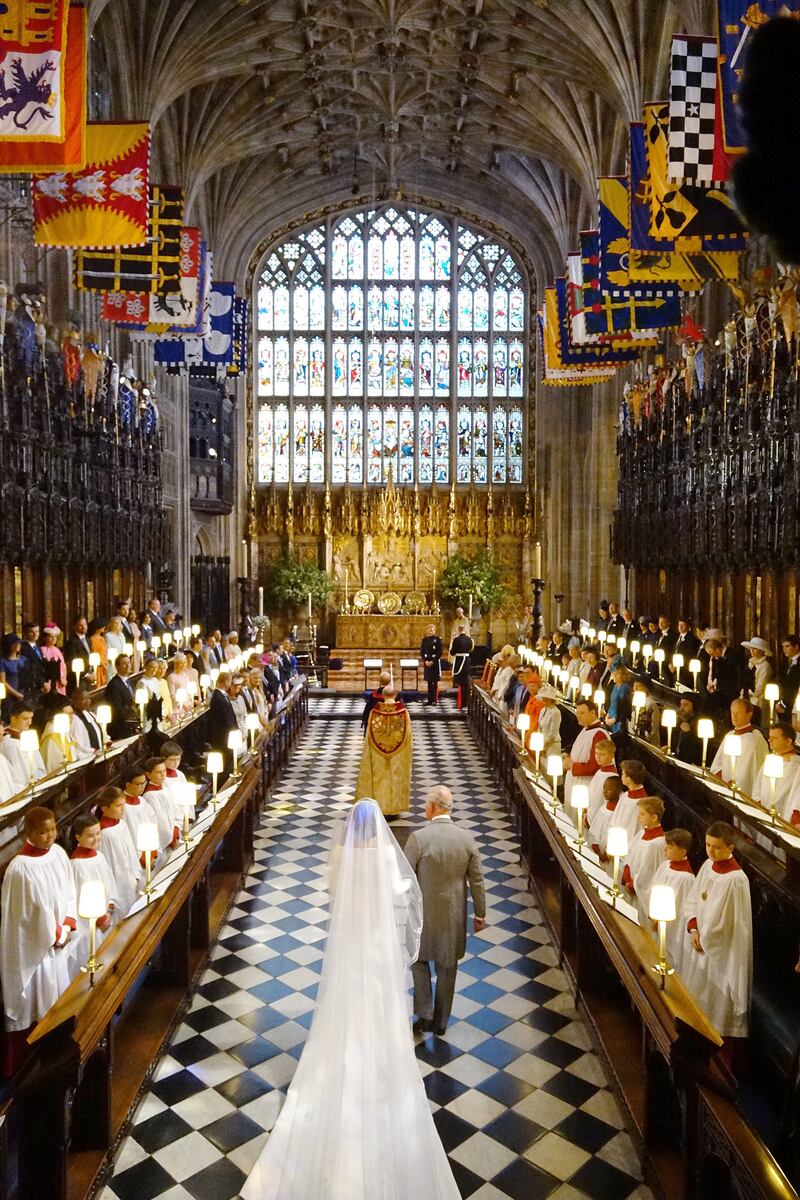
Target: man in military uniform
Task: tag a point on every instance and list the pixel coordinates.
(461, 647)
(431, 654)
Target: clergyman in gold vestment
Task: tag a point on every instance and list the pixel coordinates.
(385, 772)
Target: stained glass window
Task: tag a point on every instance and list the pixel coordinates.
(391, 340)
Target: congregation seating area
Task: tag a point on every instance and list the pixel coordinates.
(96, 1047)
(696, 1119)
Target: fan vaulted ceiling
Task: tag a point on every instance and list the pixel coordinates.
(268, 109)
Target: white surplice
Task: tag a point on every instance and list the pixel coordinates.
(22, 765)
(116, 846)
(680, 877)
(38, 903)
(91, 867)
(596, 785)
(748, 764)
(721, 977)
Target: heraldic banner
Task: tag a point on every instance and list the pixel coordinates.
(107, 203)
(42, 86)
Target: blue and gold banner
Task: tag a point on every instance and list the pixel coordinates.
(631, 310)
(737, 21)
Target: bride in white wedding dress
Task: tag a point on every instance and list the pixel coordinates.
(356, 1124)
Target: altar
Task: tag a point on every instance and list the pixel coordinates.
(373, 631)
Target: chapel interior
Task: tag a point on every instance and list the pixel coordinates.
(446, 349)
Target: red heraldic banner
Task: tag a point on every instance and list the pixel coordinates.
(42, 86)
(173, 308)
(107, 203)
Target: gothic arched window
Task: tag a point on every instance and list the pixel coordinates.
(392, 339)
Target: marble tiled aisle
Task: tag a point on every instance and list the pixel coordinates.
(520, 1099)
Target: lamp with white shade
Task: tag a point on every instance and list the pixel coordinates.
(523, 725)
(772, 694)
(205, 684)
(616, 848)
(732, 749)
(586, 691)
(599, 699)
(187, 802)
(695, 667)
(677, 666)
(147, 844)
(214, 766)
(662, 909)
(29, 745)
(235, 745)
(773, 771)
(253, 724)
(669, 719)
(555, 769)
(579, 799)
(103, 716)
(142, 697)
(76, 666)
(536, 744)
(658, 657)
(705, 731)
(61, 727)
(92, 905)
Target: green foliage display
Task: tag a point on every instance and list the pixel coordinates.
(289, 581)
(477, 576)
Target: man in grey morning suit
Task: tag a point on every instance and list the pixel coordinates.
(444, 858)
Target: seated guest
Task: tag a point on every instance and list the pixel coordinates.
(686, 745)
(645, 854)
(39, 916)
(169, 817)
(675, 871)
(723, 683)
(57, 749)
(117, 847)
(789, 681)
(115, 640)
(604, 752)
(760, 670)
(619, 704)
(605, 816)
(719, 967)
(88, 866)
(35, 675)
(533, 707)
(24, 767)
(645, 722)
(627, 815)
(549, 720)
(54, 659)
(120, 694)
(138, 810)
(787, 789)
(77, 646)
(232, 649)
(580, 764)
(85, 731)
(754, 750)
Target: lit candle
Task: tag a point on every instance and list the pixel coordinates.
(261, 601)
(346, 588)
(309, 608)
(537, 560)
(470, 606)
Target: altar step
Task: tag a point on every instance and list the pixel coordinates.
(351, 677)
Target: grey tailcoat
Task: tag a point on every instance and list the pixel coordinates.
(444, 857)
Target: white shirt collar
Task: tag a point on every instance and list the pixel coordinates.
(441, 817)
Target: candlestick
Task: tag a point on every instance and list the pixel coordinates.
(235, 745)
(214, 768)
(732, 747)
(253, 725)
(705, 731)
(579, 799)
(536, 744)
(694, 667)
(77, 669)
(147, 844)
(92, 905)
(61, 724)
(523, 725)
(29, 744)
(669, 719)
(662, 909)
(555, 769)
(772, 693)
(616, 848)
(141, 698)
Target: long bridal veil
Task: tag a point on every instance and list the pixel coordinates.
(356, 1124)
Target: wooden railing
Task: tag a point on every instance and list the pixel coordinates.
(95, 1049)
(660, 1048)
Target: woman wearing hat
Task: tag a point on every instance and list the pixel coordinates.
(51, 654)
(761, 667)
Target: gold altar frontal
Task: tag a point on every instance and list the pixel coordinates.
(376, 632)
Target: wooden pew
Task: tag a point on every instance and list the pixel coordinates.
(661, 1050)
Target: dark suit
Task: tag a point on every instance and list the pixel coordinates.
(156, 624)
(616, 625)
(726, 671)
(789, 684)
(124, 713)
(221, 720)
(687, 747)
(76, 647)
(34, 672)
(430, 652)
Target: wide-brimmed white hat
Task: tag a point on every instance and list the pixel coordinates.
(546, 692)
(758, 643)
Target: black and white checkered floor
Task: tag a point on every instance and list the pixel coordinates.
(520, 1099)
